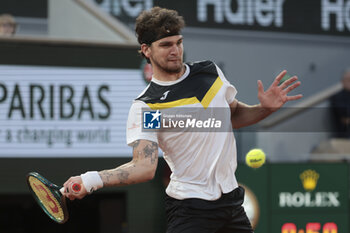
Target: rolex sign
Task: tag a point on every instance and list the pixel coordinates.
(309, 198)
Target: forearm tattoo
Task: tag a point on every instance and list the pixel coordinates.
(106, 177)
(123, 176)
(143, 150)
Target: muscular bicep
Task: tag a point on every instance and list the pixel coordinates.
(145, 151)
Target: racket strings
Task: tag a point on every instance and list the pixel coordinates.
(47, 199)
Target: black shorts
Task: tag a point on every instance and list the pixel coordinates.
(225, 215)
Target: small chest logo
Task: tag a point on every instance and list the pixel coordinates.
(165, 94)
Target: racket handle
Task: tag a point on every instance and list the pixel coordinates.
(75, 187)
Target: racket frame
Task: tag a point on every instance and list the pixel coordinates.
(55, 190)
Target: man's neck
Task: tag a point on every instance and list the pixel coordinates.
(162, 75)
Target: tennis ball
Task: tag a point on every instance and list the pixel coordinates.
(255, 158)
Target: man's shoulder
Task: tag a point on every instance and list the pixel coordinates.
(152, 92)
(144, 96)
(202, 63)
(206, 66)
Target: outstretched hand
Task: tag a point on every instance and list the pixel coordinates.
(276, 95)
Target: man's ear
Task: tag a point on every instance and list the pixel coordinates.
(146, 50)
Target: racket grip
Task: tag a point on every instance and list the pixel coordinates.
(75, 187)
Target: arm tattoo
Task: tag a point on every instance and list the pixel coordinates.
(107, 175)
(123, 176)
(150, 150)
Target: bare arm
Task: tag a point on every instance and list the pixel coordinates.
(140, 169)
(244, 115)
(270, 101)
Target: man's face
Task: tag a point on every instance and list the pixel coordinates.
(167, 54)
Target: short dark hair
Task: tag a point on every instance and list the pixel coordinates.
(157, 23)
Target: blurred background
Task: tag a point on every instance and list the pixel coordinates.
(70, 69)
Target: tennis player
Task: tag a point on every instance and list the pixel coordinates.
(203, 195)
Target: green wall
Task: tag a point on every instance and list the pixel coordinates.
(286, 204)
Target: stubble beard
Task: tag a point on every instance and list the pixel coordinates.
(169, 70)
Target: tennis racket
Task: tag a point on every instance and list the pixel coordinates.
(49, 196)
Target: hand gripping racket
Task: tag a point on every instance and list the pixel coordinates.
(49, 196)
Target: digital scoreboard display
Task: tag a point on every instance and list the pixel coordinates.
(314, 227)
